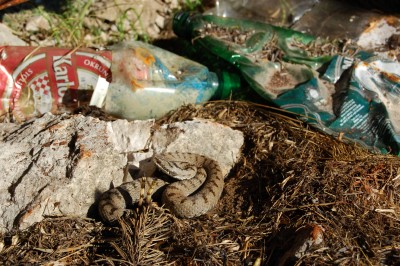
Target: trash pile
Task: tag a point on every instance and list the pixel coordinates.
(317, 104)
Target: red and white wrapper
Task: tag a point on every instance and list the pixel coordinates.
(36, 80)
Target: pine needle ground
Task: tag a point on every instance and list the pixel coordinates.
(296, 197)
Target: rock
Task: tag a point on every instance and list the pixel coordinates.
(203, 137)
(37, 23)
(130, 136)
(59, 165)
(55, 166)
(8, 38)
(144, 17)
(6, 128)
(91, 22)
(160, 21)
(172, 4)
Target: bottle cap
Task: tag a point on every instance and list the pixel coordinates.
(181, 24)
(227, 83)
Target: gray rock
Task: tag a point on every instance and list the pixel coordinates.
(54, 166)
(37, 23)
(138, 15)
(203, 137)
(130, 136)
(8, 38)
(59, 165)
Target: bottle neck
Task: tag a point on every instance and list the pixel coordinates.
(182, 23)
(228, 83)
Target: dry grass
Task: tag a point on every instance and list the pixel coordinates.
(297, 197)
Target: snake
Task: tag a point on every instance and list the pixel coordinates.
(198, 188)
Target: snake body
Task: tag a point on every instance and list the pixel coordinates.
(199, 189)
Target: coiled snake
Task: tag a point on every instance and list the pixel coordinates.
(199, 189)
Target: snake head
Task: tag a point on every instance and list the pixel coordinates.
(176, 165)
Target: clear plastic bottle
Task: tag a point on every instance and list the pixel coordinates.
(276, 12)
(131, 80)
(149, 81)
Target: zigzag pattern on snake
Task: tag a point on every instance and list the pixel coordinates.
(199, 189)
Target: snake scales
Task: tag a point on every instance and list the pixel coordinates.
(199, 189)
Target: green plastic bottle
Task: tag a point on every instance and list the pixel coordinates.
(272, 59)
(327, 83)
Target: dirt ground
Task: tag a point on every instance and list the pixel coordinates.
(296, 197)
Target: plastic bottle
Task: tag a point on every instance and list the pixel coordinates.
(132, 80)
(249, 45)
(277, 12)
(331, 85)
(150, 81)
(359, 20)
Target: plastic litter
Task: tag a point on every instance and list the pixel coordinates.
(361, 21)
(277, 12)
(132, 80)
(331, 85)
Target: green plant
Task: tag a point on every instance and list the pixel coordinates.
(68, 27)
(85, 23)
(192, 4)
(128, 28)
